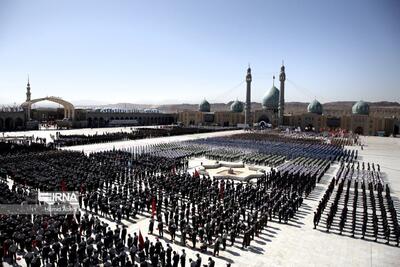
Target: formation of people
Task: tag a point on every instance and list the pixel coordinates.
(350, 178)
(204, 214)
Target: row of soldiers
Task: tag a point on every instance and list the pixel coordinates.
(380, 224)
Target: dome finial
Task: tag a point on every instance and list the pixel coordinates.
(273, 80)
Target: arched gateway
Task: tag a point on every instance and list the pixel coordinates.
(69, 109)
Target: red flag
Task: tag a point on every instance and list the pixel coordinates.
(63, 186)
(82, 188)
(141, 241)
(153, 207)
(221, 190)
(173, 170)
(196, 174)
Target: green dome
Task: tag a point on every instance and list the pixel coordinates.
(360, 108)
(271, 99)
(237, 106)
(315, 107)
(204, 106)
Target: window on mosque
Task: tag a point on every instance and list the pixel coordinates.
(208, 117)
(333, 122)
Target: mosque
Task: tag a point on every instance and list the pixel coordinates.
(272, 114)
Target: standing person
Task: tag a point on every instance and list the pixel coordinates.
(211, 262)
(233, 237)
(175, 259)
(160, 229)
(13, 251)
(224, 238)
(130, 241)
(147, 246)
(216, 246)
(183, 236)
(123, 234)
(194, 238)
(169, 255)
(183, 258)
(135, 239)
(132, 253)
(151, 226)
(198, 261)
(173, 231)
(162, 256)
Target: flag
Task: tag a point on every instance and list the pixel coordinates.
(141, 241)
(153, 207)
(63, 185)
(82, 188)
(221, 191)
(173, 170)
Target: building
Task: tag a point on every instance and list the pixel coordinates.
(24, 117)
(360, 119)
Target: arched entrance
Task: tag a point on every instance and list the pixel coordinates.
(396, 129)
(9, 124)
(101, 122)
(359, 130)
(69, 109)
(19, 123)
(264, 118)
(89, 122)
(95, 122)
(1, 124)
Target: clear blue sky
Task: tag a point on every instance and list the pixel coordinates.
(184, 51)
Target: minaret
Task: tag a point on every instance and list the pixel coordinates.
(28, 99)
(28, 91)
(282, 78)
(247, 111)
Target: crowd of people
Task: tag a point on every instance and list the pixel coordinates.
(137, 133)
(350, 178)
(279, 144)
(205, 214)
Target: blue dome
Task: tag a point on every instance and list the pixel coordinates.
(315, 107)
(360, 108)
(271, 99)
(204, 106)
(237, 106)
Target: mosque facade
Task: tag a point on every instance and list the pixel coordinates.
(360, 120)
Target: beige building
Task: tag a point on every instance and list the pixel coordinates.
(359, 120)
